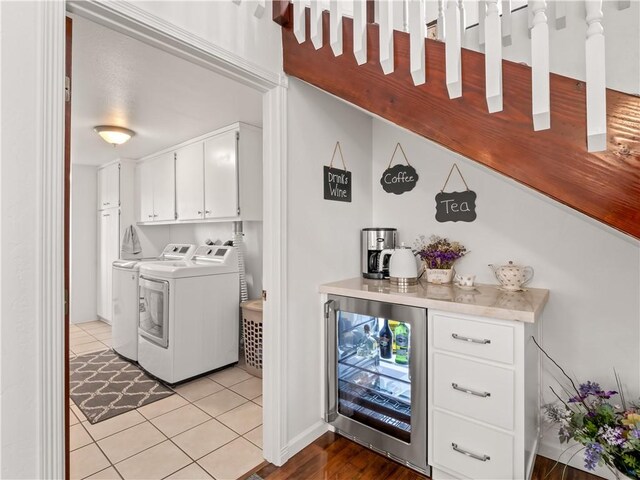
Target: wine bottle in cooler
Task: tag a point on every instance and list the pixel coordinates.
(402, 342)
(392, 325)
(385, 340)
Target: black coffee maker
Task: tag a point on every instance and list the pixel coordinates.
(374, 240)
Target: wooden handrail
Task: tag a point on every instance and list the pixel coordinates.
(281, 12)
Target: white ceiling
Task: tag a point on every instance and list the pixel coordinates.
(117, 80)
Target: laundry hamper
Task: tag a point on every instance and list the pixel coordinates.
(252, 335)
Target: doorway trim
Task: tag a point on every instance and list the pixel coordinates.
(137, 23)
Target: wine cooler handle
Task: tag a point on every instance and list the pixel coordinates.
(331, 410)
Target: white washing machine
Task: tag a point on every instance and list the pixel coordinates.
(189, 314)
(125, 304)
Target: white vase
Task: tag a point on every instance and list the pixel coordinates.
(439, 275)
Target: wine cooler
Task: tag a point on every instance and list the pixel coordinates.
(377, 377)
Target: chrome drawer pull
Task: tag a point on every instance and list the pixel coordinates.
(482, 341)
(471, 392)
(482, 458)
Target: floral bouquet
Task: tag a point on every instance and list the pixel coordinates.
(439, 253)
(609, 432)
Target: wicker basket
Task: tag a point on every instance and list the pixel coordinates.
(252, 334)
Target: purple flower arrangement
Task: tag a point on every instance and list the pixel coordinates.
(440, 253)
(608, 432)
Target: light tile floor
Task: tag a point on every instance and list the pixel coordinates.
(211, 427)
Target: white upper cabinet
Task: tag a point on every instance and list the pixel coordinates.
(221, 175)
(190, 182)
(156, 189)
(215, 177)
(109, 186)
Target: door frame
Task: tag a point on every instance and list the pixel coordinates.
(137, 23)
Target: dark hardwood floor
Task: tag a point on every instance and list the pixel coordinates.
(332, 457)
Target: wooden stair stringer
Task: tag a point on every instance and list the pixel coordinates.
(555, 162)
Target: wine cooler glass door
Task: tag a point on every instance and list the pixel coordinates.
(377, 375)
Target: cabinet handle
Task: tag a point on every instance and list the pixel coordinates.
(155, 215)
(482, 341)
(482, 458)
(207, 211)
(199, 212)
(469, 391)
(150, 216)
(106, 214)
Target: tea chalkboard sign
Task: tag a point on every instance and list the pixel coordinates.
(399, 178)
(337, 182)
(456, 206)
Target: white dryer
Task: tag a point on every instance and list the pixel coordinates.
(125, 305)
(189, 314)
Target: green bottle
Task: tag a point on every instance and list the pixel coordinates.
(402, 342)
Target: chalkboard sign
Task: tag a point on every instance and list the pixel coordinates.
(456, 206)
(399, 178)
(337, 184)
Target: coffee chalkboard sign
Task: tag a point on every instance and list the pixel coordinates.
(399, 178)
(337, 182)
(456, 206)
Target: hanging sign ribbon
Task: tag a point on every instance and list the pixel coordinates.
(456, 206)
(399, 178)
(337, 183)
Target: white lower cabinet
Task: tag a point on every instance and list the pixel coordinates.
(108, 251)
(483, 400)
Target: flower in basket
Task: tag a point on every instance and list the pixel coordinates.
(440, 253)
(607, 430)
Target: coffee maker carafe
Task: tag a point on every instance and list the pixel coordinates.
(374, 240)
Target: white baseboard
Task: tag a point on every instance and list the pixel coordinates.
(304, 439)
(550, 447)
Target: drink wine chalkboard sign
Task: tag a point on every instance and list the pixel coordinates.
(456, 206)
(399, 178)
(337, 182)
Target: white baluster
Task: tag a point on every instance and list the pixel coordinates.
(385, 20)
(452, 49)
(441, 24)
(482, 16)
(299, 20)
(463, 21)
(405, 15)
(360, 31)
(493, 58)
(237, 2)
(540, 66)
(622, 4)
(261, 6)
(417, 32)
(316, 24)
(335, 27)
(596, 86)
(505, 22)
(529, 16)
(561, 14)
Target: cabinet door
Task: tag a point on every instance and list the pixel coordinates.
(112, 194)
(190, 182)
(102, 255)
(112, 253)
(145, 191)
(164, 188)
(102, 189)
(221, 176)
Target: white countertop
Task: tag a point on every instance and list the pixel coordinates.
(484, 300)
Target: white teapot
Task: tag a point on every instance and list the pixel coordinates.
(403, 269)
(512, 277)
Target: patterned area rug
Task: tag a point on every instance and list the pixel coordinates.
(104, 385)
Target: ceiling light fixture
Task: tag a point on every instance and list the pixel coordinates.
(114, 135)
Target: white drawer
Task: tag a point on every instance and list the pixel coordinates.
(473, 389)
(473, 337)
(489, 454)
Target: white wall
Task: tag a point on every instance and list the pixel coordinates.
(83, 261)
(323, 236)
(227, 25)
(19, 136)
(197, 233)
(567, 45)
(592, 321)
